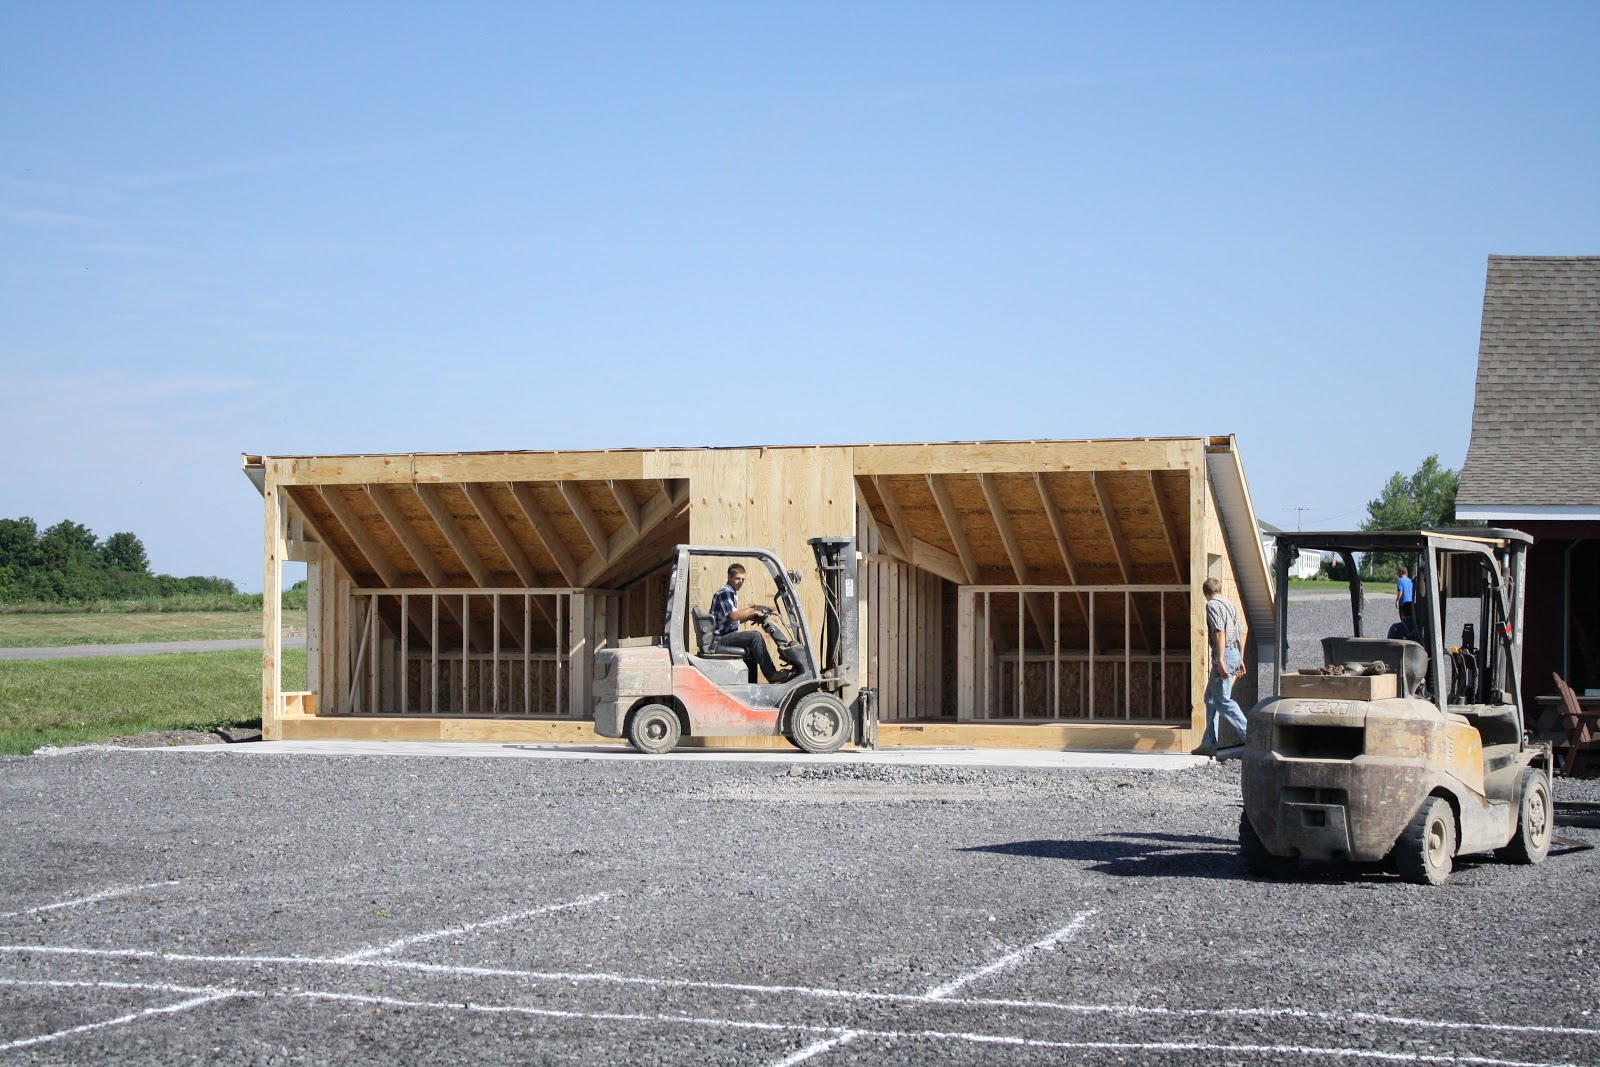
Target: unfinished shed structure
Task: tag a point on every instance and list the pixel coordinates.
(1031, 593)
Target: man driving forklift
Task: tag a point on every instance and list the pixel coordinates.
(726, 615)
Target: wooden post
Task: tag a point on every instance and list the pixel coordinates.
(966, 653)
(314, 634)
(578, 655)
(272, 611)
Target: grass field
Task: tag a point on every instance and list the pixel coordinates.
(75, 701)
(118, 628)
(1340, 587)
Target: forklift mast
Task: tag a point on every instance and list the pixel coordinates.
(836, 568)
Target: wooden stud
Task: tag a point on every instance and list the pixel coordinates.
(271, 611)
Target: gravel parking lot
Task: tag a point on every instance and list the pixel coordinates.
(197, 905)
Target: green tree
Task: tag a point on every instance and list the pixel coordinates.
(1424, 501)
(124, 552)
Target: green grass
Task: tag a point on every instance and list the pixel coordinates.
(112, 628)
(76, 701)
(1340, 587)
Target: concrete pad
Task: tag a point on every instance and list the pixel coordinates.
(898, 756)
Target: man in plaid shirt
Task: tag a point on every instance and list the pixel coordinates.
(726, 615)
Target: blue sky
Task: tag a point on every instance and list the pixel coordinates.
(298, 228)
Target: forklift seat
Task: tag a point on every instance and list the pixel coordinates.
(1406, 658)
(706, 641)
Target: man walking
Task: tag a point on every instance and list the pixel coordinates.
(1225, 654)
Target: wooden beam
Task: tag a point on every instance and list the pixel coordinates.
(888, 536)
(387, 572)
(585, 516)
(897, 517)
(1168, 525)
(952, 525)
(508, 544)
(333, 551)
(383, 499)
(1059, 529)
(376, 561)
(523, 495)
(1019, 566)
(656, 510)
(429, 495)
(500, 532)
(1124, 563)
(625, 501)
(914, 550)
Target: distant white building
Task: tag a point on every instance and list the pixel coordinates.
(1307, 566)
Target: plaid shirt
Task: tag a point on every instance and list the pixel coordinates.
(724, 602)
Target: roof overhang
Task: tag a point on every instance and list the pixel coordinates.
(1528, 512)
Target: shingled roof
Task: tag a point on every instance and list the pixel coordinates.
(1536, 420)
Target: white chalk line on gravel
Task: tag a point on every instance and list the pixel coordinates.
(210, 997)
(837, 1037)
(455, 970)
(1044, 944)
(939, 992)
(104, 894)
(455, 931)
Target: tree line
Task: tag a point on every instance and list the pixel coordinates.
(67, 563)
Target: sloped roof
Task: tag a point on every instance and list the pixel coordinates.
(1536, 418)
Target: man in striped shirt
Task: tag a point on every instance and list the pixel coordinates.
(1225, 657)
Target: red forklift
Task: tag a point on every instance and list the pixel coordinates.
(657, 690)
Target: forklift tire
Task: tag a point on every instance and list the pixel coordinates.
(1425, 853)
(1531, 844)
(1255, 857)
(654, 729)
(819, 723)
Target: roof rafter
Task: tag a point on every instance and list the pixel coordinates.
(1124, 563)
(657, 510)
(522, 493)
(585, 516)
(1019, 565)
(1168, 525)
(952, 525)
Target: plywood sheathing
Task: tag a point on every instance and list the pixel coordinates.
(482, 535)
(1068, 528)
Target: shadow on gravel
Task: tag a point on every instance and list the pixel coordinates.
(1137, 855)
(1177, 856)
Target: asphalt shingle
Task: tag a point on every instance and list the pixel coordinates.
(1536, 418)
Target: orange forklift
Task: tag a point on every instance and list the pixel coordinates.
(657, 690)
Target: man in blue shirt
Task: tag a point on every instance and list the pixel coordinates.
(1402, 588)
(1406, 628)
(726, 615)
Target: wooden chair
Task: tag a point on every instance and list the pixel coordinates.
(1583, 735)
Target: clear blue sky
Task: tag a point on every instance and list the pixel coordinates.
(298, 228)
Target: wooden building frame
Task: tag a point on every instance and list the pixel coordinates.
(1022, 593)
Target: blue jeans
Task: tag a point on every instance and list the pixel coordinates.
(1220, 702)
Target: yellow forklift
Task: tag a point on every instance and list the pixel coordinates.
(1406, 748)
